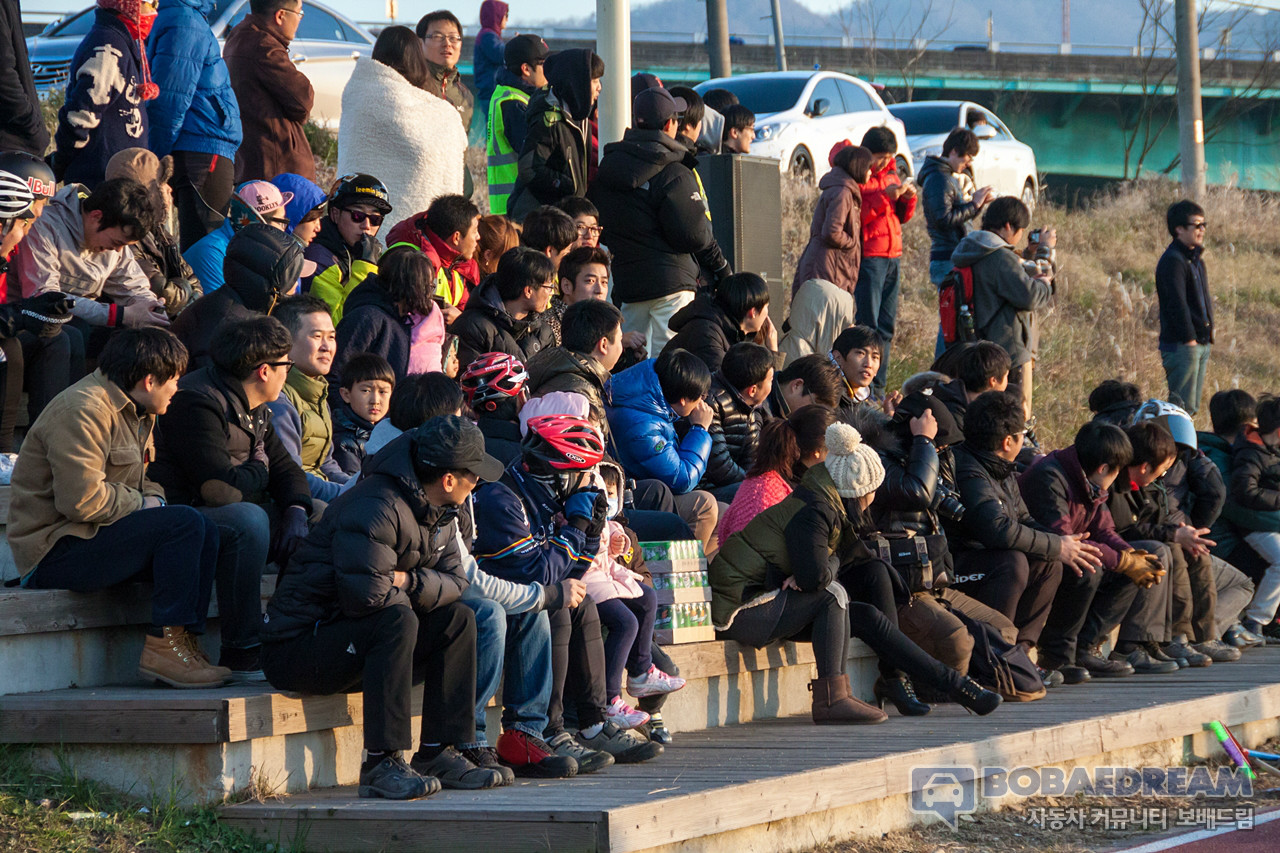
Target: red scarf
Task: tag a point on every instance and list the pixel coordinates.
(138, 21)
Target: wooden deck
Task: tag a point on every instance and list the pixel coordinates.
(789, 785)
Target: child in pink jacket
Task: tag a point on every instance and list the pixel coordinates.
(627, 611)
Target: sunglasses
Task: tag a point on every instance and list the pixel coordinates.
(359, 216)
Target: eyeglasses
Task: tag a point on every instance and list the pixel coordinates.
(285, 363)
(297, 12)
(359, 216)
(589, 230)
(550, 285)
(444, 38)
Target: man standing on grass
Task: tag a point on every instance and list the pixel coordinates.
(1186, 308)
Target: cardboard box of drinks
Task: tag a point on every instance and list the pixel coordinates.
(688, 622)
(680, 636)
(682, 587)
(672, 558)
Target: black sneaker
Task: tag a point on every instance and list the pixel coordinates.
(658, 730)
(589, 760)
(455, 770)
(243, 663)
(1099, 667)
(626, 747)
(1140, 661)
(487, 758)
(392, 779)
(1183, 652)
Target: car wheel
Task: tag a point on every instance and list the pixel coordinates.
(1029, 194)
(904, 171)
(801, 165)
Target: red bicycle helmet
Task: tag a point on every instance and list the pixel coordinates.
(492, 378)
(562, 443)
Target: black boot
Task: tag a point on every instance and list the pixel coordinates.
(902, 694)
(975, 697)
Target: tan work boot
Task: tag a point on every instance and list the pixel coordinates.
(833, 704)
(176, 660)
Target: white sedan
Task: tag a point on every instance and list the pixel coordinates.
(1003, 163)
(801, 115)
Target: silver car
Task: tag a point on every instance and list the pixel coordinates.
(325, 49)
(1003, 163)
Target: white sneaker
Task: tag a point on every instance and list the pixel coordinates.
(623, 715)
(655, 682)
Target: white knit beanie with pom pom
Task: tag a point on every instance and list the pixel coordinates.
(855, 467)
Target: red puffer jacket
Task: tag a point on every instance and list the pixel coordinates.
(882, 218)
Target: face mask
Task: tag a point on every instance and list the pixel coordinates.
(614, 507)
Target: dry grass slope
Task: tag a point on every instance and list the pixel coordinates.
(1104, 322)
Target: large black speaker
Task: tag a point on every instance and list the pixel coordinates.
(745, 195)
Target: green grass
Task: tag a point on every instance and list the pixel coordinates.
(59, 810)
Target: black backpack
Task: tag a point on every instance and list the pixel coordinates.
(997, 665)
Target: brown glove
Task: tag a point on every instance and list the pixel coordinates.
(1141, 567)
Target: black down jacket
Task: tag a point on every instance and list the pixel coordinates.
(345, 566)
(656, 221)
(995, 518)
(735, 433)
(1196, 490)
(485, 326)
(703, 328)
(261, 266)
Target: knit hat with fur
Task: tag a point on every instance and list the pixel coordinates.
(855, 467)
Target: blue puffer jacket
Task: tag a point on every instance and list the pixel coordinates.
(206, 255)
(644, 431)
(196, 109)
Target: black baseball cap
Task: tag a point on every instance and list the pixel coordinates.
(654, 107)
(525, 47)
(448, 441)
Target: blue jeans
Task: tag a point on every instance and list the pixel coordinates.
(876, 298)
(937, 272)
(244, 534)
(524, 640)
(1185, 367)
(174, 547)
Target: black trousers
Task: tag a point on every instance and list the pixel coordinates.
(805, 617)
(383, 655)
(202, 186)
(870, 583)
(1020, 587)
(577, 666)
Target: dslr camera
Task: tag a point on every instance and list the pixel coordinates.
(946, 503)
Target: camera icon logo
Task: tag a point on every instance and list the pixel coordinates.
(944, 792)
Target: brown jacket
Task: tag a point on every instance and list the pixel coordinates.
(275, 100)
(834, 252)
(83, 465)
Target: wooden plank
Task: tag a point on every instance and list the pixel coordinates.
(92, 725)
(36, 611)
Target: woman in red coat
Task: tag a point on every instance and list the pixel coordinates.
(834, 252)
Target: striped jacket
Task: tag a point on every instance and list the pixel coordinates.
(520, 540)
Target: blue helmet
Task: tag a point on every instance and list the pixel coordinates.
(1173, 418)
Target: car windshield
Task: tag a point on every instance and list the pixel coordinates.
(927, 120)
(78, 24)
(762, 95)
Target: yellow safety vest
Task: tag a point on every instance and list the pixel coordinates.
(503, 159)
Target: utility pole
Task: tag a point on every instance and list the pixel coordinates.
(717, 37)
(613, 44)
(1066, 27)
(1190, 117)
(779, 48)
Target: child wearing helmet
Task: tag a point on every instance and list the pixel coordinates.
(496, 388)
(43, 353)
(543, 522)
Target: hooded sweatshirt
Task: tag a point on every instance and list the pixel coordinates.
(306, 197)
(52, 257)
(486, 55)
(655, 218)
(553, 161)
(946, 213)
(1005, 298)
